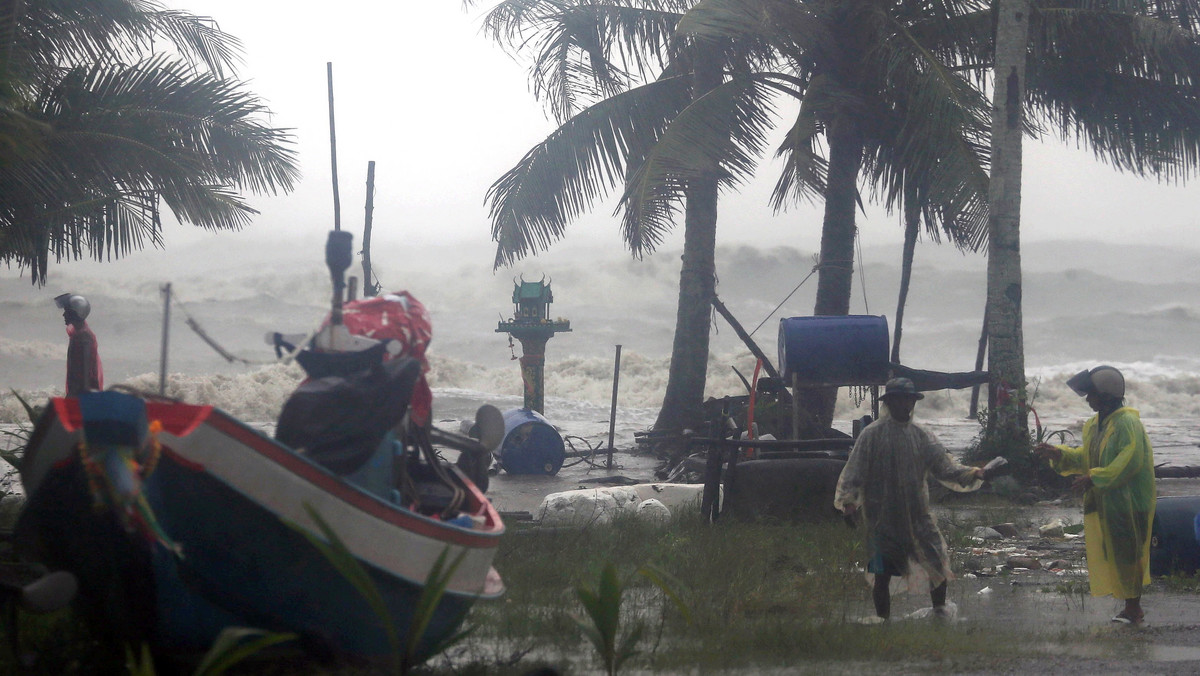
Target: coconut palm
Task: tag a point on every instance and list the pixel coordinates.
(1120, 78)
(97, 131)
(880, 94)
(923, 143)
(617, 80)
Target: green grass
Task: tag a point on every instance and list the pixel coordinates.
(759, 595)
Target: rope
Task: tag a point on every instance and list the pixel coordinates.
(772, 313)
(862, 274)
(228, 356)
(199, 331)
(589, 458)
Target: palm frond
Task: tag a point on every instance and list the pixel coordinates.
(583, 51)
(722, 133)
(50, 34)
(930, 140)
(1130, 90)
(562, 176)
(805, 170)
(118, 139)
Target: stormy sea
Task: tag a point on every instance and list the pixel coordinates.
(1085, 303)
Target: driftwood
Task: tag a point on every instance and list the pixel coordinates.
(940, 380)
(370, 288)
(776, 444)
(785, 396)
(1176, 472)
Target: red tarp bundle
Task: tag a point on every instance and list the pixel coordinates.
(400, 317)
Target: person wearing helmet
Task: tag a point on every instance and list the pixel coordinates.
(84, 372)
(886, 478)
(1114, 469)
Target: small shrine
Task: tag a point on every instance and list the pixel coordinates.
(532, 326)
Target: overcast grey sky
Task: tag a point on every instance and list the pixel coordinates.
(444, 112)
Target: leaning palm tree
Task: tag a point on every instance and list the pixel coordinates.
(663, 149)
(617, 80)
(880, 91)
(97, 131)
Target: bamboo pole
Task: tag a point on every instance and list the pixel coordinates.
(979, 355)
(612, 415)
(166, 331)
(741, 333)
(370, 289)
(337, 201)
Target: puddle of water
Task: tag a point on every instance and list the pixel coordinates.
(1172, 653)
(1153, 652)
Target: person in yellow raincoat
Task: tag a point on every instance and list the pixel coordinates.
(886, 476)
(1115, 468)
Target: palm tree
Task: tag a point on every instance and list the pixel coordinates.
(1006, 351)
(97, 131)
(618, 81)
(664, 143)
(878, 85)
(1123, 79)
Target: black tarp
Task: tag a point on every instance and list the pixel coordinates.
(926, 381)
(339, 421)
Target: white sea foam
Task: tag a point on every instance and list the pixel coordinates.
(1143, 320)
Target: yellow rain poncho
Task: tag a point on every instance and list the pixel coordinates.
(1118, 509)
(886, 477)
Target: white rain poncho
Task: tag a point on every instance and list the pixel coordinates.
(886, 478)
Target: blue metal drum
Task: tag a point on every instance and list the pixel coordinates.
(834, 350)
(531, 444)
(1173, 546)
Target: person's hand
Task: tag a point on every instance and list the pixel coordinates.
(1046, 451)
(1082, 483)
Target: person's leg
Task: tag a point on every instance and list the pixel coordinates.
(938, 595)
(882, 595)
(1133, 609)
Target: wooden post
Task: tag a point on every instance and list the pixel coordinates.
(370, 289)
(983, 341)
(612, 415)
(741, 333)
(795, 406)
(337, 200)
(166, 330)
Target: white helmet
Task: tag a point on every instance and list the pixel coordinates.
(1106, 380)
(76, 302)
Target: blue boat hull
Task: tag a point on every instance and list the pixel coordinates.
(240, 563)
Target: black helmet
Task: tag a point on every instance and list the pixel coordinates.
(76, 302)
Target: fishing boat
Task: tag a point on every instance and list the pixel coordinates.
(180, 521)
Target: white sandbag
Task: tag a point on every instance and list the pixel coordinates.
(653, 511)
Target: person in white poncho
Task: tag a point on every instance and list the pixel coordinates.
(886, 478)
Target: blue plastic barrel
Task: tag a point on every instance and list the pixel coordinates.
(834, 350)
(1173, 545)
(531, 444)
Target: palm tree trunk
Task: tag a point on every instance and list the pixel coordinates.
(1006, 354)
(686, 379)
(912, 221)
(837, 251)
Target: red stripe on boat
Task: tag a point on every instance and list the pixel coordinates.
(331, 484)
